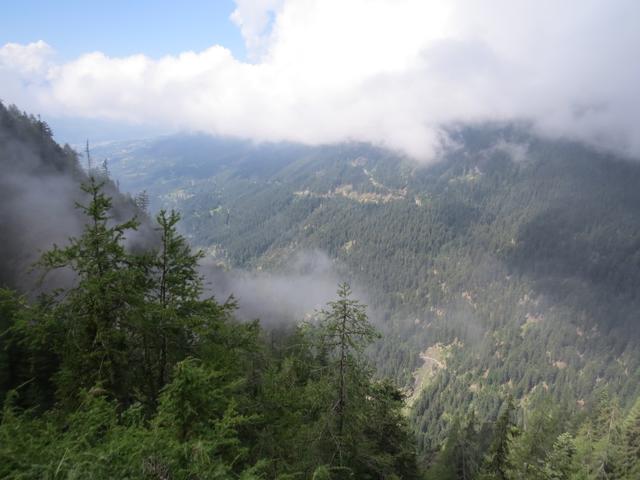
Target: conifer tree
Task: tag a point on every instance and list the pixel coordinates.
(460, 455)
(629, 449)
(497, 463)
(560, 463)
(598, 438)
(97, 314)
(346, 332)
(142, 201)
(173, 309)
(541, 425)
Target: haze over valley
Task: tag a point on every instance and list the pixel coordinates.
(323, 240)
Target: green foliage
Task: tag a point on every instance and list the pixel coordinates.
(322, 473)
(99, 312)
(529, 453)
(497, 463)
(153, 380)
(560, 464)
(629, 446)
(598, 438)
(600, 445)
(10, 369)
(173, 310)
(523, 274)
(360, 431)
(345, 331)
(460, 457)
(518, 253)
(96, 441)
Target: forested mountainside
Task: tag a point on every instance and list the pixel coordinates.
(39, 186)
(515, 349)
(129, 369)
(509, 267)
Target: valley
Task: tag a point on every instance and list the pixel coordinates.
(320, 240)
(517, 252)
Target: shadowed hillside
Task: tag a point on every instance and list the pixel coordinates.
(517, 253)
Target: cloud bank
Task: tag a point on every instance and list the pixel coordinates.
(302, 287)
(390, 72)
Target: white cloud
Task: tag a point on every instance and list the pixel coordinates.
(254, 18)
(25, 59)
(23, 70)
(386, 71)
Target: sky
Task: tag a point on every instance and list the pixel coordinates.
(122, 27)
(396, 73)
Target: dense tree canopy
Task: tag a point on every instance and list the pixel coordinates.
(508, 290)
(132, 373)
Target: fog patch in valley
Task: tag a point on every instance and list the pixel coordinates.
(288, 295)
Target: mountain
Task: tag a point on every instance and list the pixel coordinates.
(39, 189)
(503, 279)
(509, 266)
(127, 367)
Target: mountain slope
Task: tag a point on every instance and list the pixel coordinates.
(510, 266)
(39, 188)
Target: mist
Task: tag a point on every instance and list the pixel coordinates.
(40, 189)
(285, 296)
(36, 207)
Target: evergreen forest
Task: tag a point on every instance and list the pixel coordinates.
(498, 341)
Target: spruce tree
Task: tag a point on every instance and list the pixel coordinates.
(560, 462)
(97, 314)
(346, 332)
(598, 438)
(166, 327)
(497, 463)
(629, 448)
